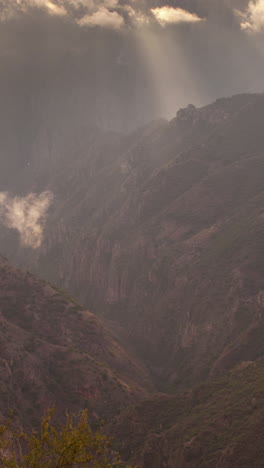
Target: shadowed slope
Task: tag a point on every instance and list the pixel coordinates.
(219, 424)
(54, 352)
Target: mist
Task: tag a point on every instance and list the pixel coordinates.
(26, 215)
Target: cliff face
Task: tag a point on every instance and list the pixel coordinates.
(52, 351)
(162, 231)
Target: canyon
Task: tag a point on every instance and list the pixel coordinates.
(159, 235)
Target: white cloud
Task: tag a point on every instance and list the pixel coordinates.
(95, 12)
(54, 9)
(104, 18)
(252, 20)
(169, 15)
(23, 5)
(26, 215)
(111, 14)
(50, 6)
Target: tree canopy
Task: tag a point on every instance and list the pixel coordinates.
(74, 444)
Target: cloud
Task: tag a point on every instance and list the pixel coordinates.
(50, 6)
(62, 73)
(169, 15)
(13, 7)
(90, 5)
(252, 19)
(104, 18)
(83, 12)
(137, 18)
(26, 215)
(111, 14)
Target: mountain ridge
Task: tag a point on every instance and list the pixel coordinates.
(161, 232)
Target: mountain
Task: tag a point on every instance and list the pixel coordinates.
(216, 425)
(161, 231)
(54, 352)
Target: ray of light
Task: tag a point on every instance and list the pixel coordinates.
(169, 70)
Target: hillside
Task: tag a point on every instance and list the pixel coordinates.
(216, 425)
(53, 352)
(161, 231)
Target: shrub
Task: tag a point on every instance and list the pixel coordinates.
(75, 444)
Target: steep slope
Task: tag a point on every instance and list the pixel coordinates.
(52, 351)
(216, 425)
(162, 231)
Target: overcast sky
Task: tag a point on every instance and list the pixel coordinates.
(69, 65)
(123, 62)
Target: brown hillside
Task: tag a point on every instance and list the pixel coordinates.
(216, 425)
(53, 352)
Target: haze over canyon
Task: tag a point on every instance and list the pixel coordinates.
(131, 223)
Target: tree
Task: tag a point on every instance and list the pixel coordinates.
(75, 444)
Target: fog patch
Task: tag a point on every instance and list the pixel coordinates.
(27, 215)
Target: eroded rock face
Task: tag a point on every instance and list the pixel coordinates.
(162, 231)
